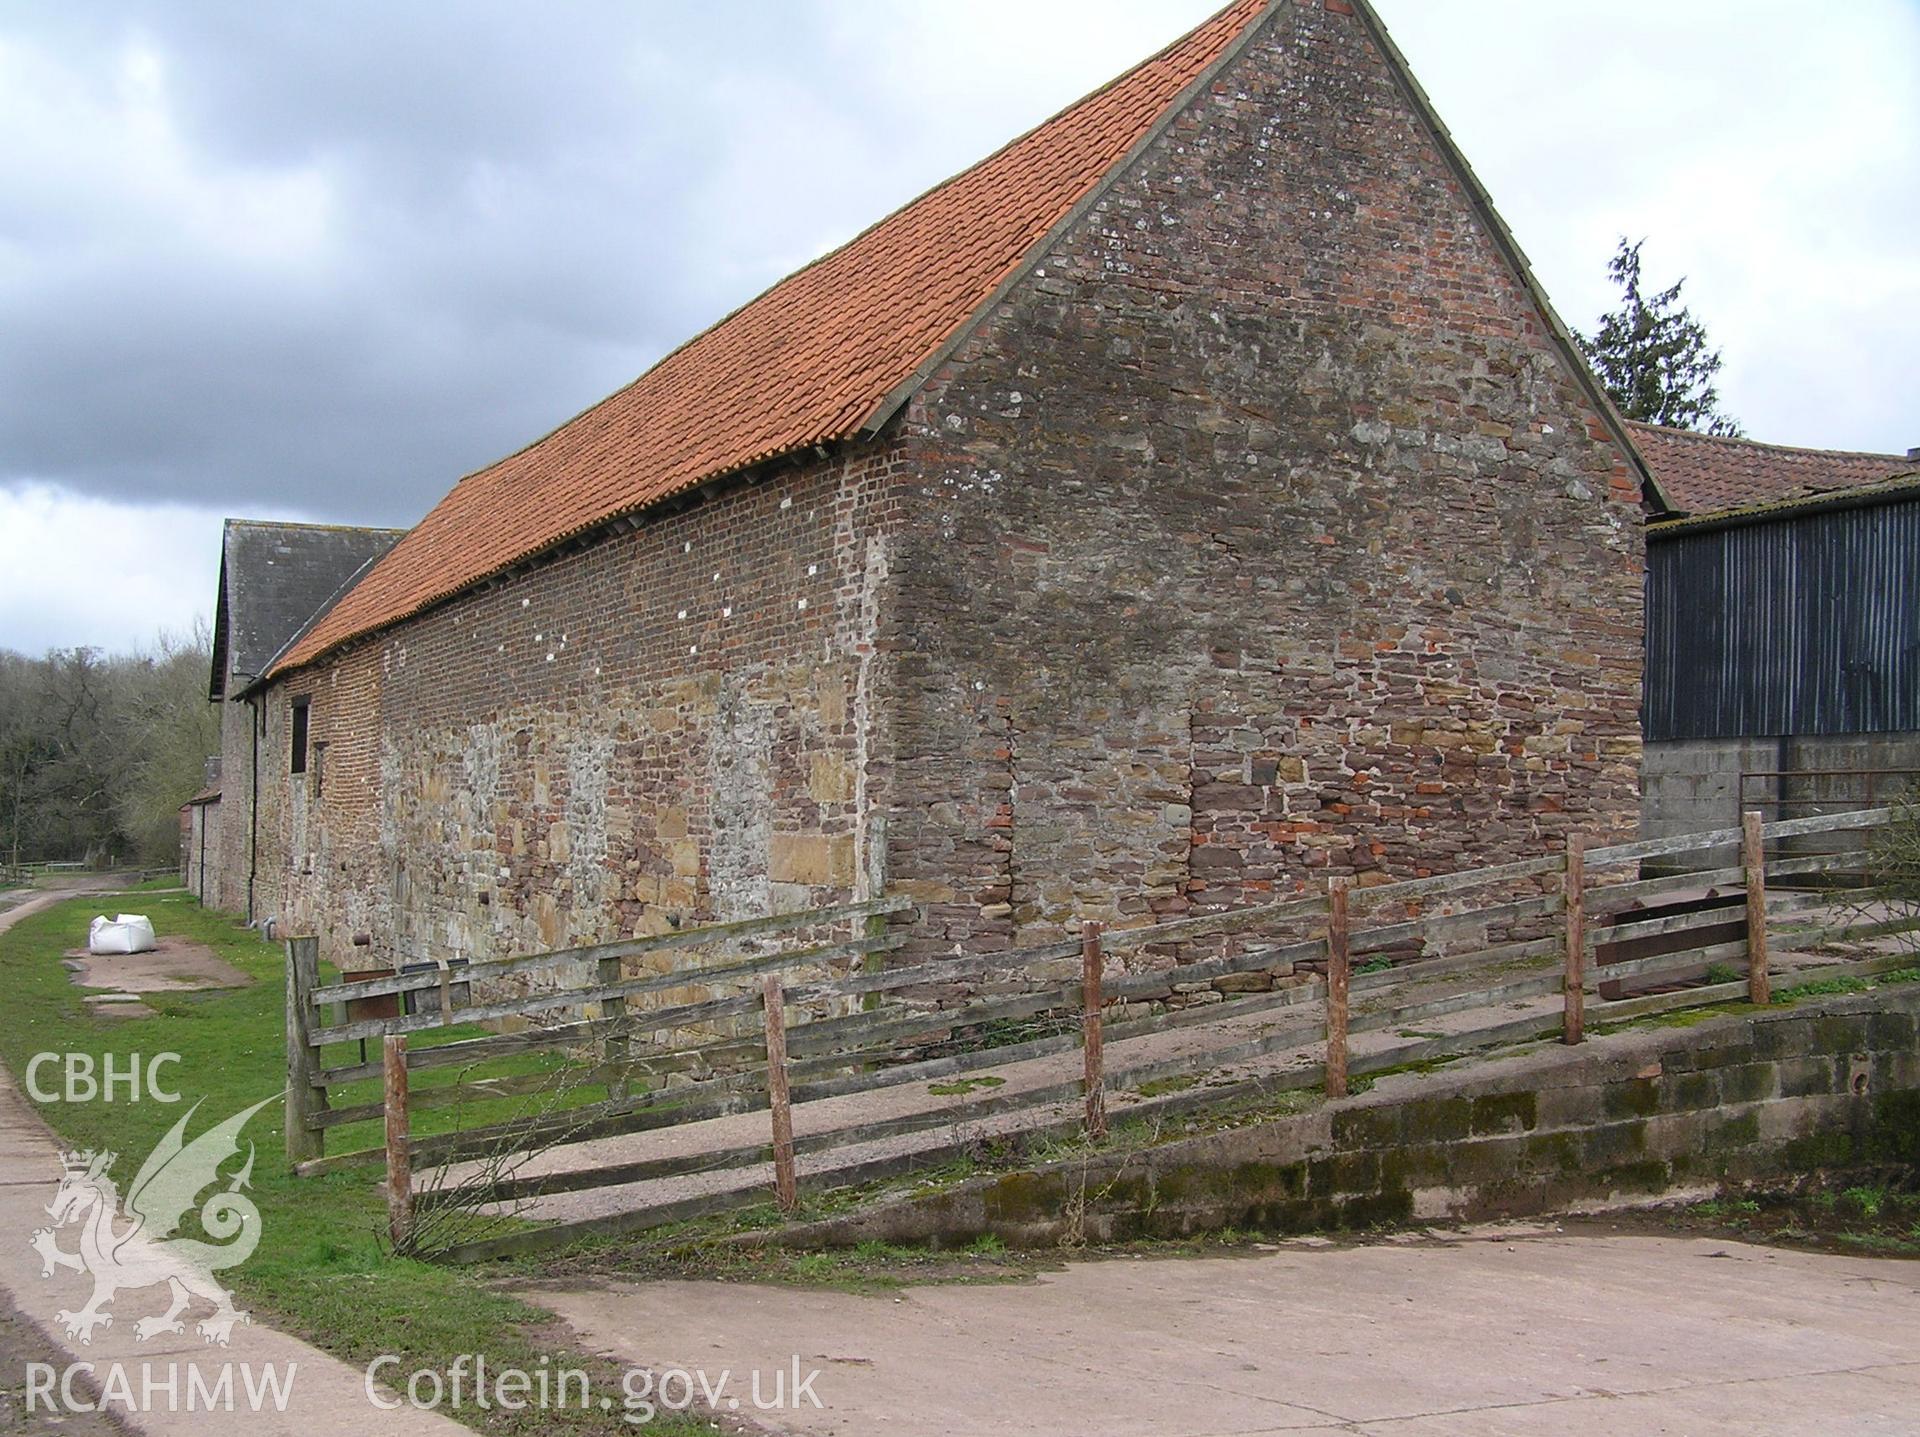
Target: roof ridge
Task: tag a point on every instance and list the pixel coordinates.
(1742, 439)
(236, 523)
(1894, 486)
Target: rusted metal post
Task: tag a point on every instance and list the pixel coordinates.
(1759, 983)
(1339, 974)
(393, 1068)
(303, 1100)
(1574, 1021)
(786, 1186)
(1092, 962)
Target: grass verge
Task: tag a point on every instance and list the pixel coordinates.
(321, 1270)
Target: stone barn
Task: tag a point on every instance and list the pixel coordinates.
(1194, 499)
(275, 579)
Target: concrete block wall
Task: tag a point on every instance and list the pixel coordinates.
(1692, 785)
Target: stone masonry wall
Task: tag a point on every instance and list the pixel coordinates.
(1261, 535)
(227, 865)
(670, 726)
(200, 829)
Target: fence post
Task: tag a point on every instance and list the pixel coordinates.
(1092, 962)
(393, 1069)
(1759, 984)
(303, 1100)
(786, 1188)
(1339, 968)
(613, 1012)
(1574, 1020)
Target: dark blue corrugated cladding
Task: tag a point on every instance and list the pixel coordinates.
(1808, 623)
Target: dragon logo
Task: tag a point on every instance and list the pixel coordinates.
(147, 1253)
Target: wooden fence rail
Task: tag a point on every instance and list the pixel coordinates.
(1456, 944)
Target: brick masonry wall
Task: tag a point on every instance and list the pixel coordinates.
(1823, 1089)
(668, 726)
(1261, 535)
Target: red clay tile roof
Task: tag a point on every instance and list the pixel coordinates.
(807, 362)
(1701, 473)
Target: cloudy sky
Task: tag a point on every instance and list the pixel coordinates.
(317, 261)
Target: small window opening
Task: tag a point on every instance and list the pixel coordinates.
(300, 710)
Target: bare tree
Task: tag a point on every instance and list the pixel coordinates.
(97, 753)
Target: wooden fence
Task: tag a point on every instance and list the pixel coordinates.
(24, 873)
(1542, 947)
(576, 1001)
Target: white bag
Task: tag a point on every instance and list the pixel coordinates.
(130, 933)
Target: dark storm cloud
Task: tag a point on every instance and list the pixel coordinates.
(323, 258)
(334, 255)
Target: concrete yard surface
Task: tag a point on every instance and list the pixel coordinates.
(1501, 1332)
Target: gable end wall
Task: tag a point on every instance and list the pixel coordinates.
(1263, 534)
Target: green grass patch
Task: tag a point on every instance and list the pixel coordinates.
(1421, 1067)
(1677, 1018)
(1160, 1087)
(1880, 1219)
(1868, 1200)
(1725, 1207)
(870, 1267)
(321, 1269)
(1822, 988)
(963, 1085)
(1845, 983)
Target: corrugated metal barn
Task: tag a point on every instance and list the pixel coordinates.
(1795, 619)
(1782, 636)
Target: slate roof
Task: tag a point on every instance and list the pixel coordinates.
(1703, 474)
(274, 580)
(830, 352)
